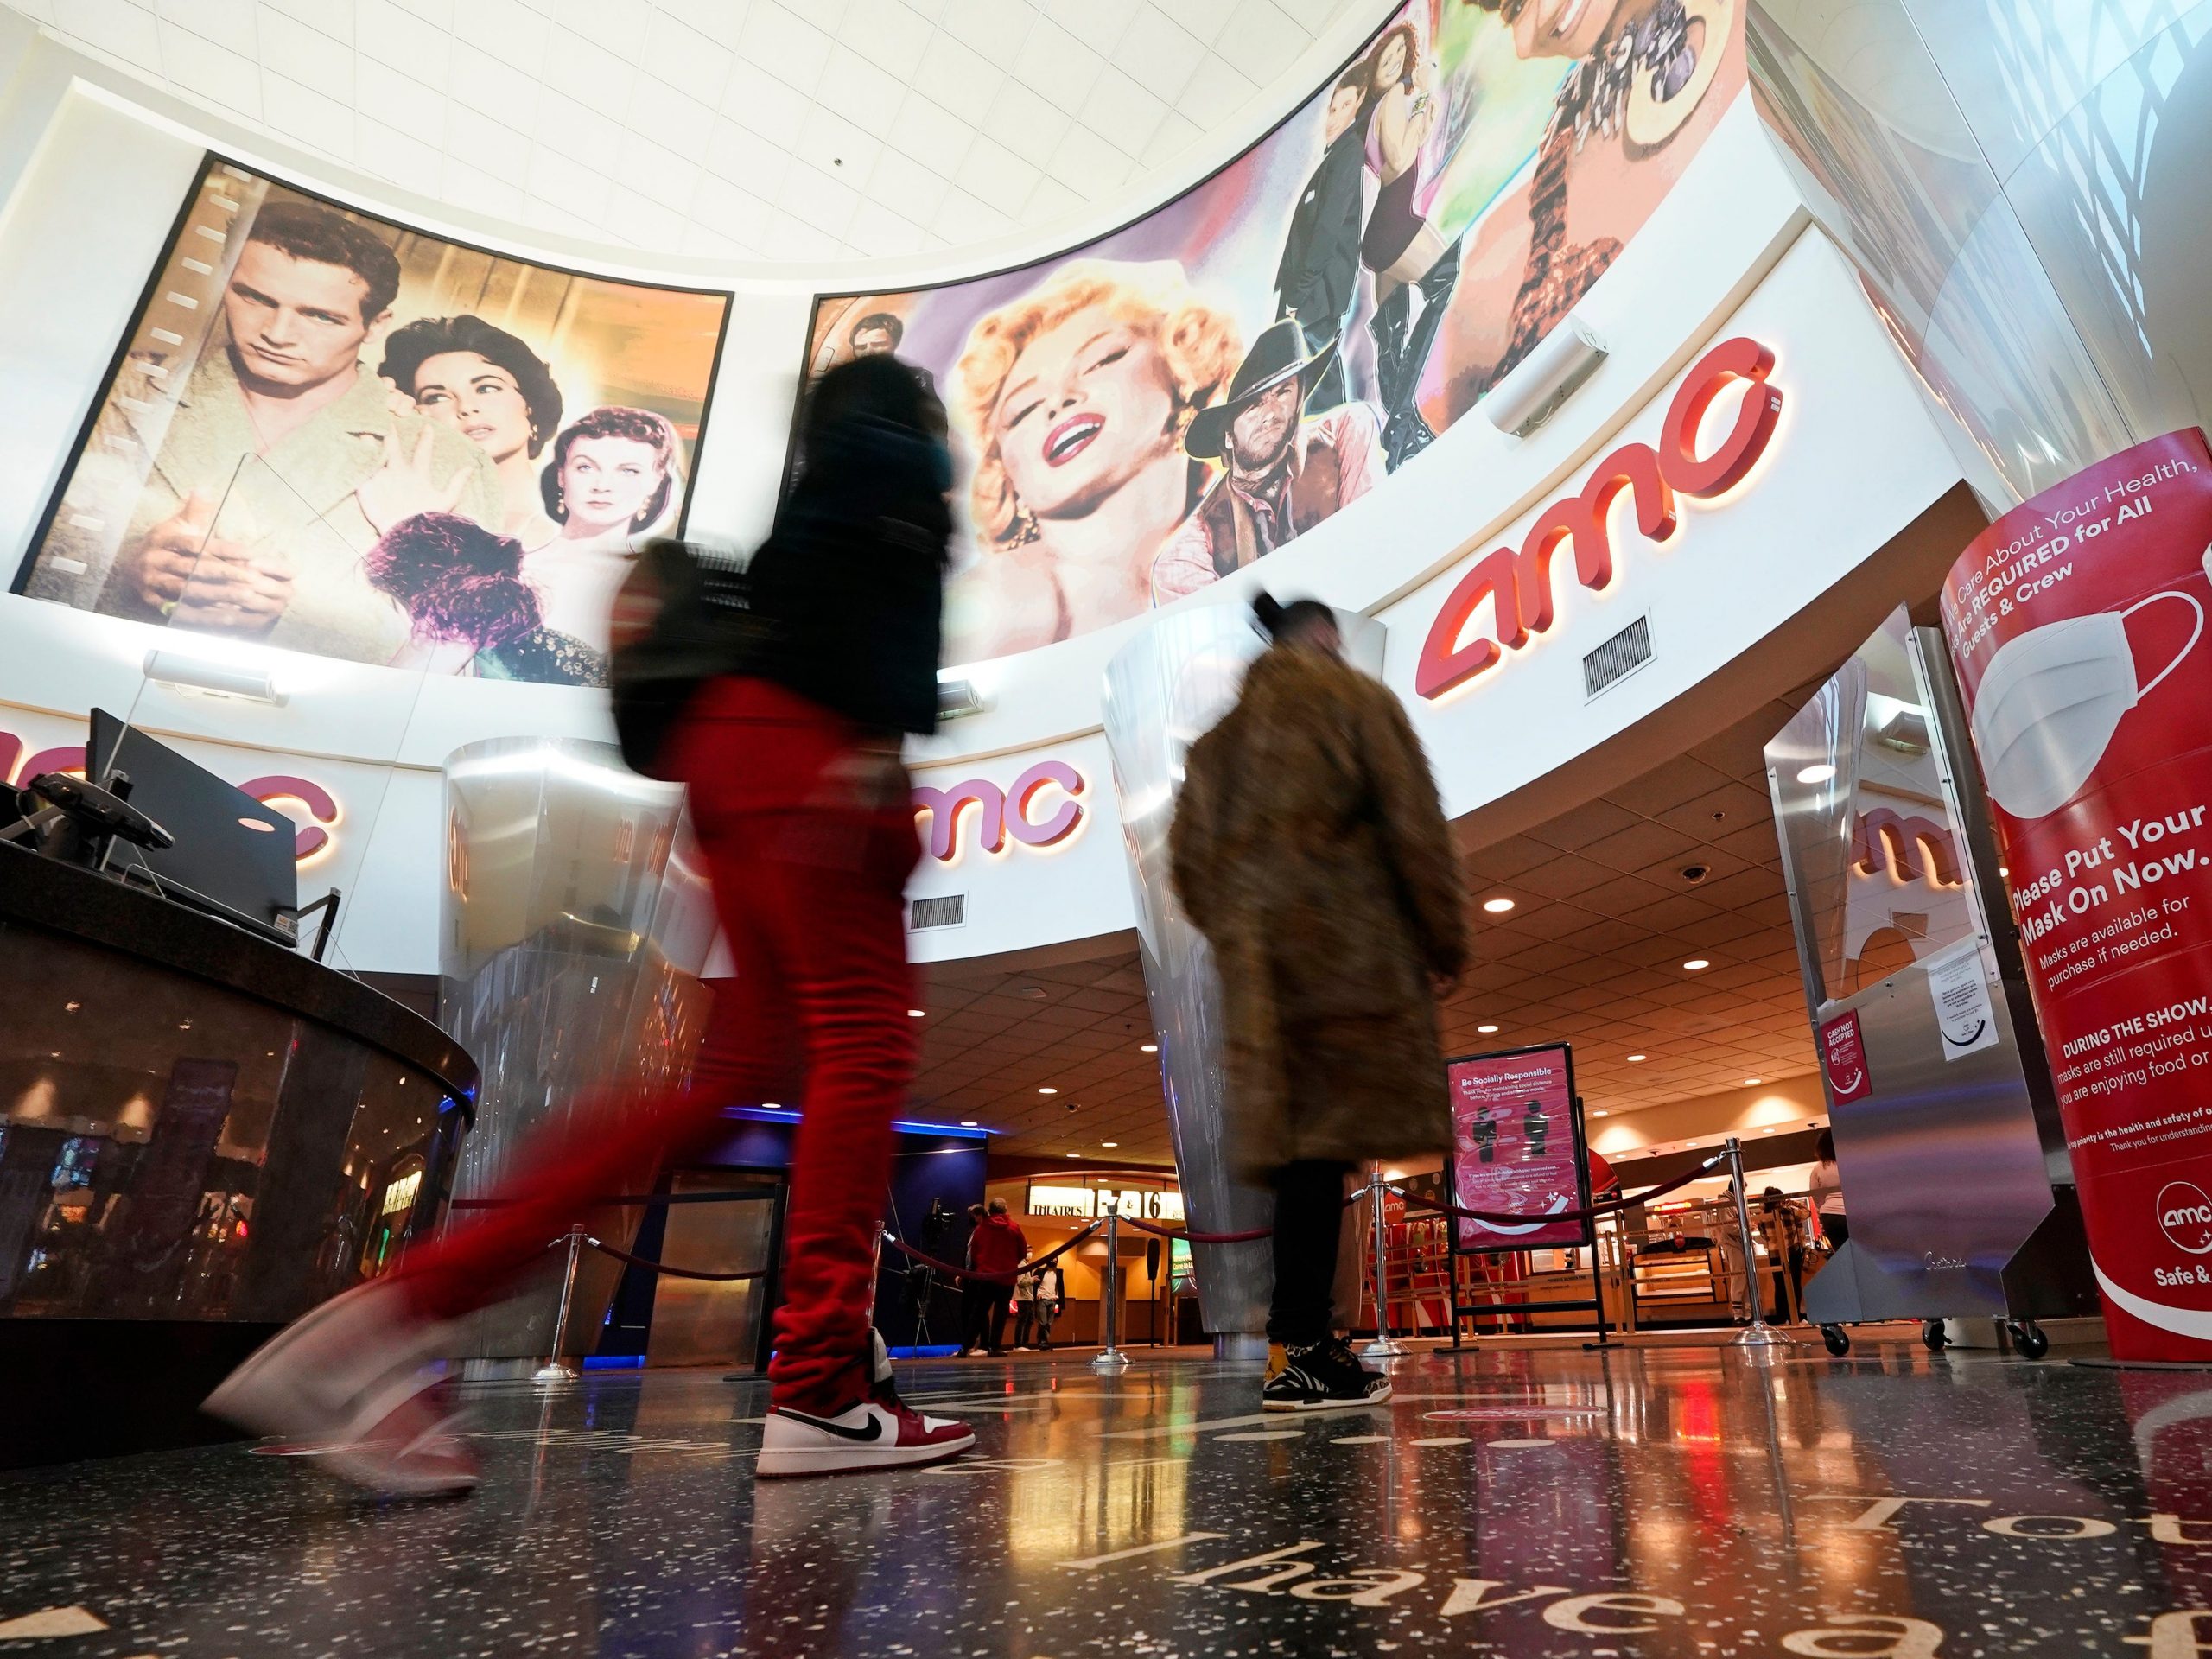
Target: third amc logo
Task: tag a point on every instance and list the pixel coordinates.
(2186, 1217)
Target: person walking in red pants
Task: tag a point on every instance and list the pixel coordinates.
(787, 733)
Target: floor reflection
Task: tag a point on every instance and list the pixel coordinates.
(1658, 1501)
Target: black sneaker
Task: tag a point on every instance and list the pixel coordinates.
(1324, 1374)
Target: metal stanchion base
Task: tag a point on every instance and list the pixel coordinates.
(1763, 1338)
(555, 1373)
(1112, 1361)
(1384, 1347)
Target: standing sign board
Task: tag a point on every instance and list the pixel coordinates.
(1516, 1149)
(2077, 623)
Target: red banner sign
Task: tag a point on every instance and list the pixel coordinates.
(2077, 624)
(1514, 1149)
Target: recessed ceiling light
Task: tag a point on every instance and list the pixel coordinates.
(916, 1014)
(1497, 906)
(1819, 774)
(1048, 1092)
(1148, 1048)
(1601, 1113)
(1696, 963)
(1749, 1083)
(1486, 1030)
(1116, 1143)
(1075, 1154)
(1633, 1058)
(770, 1106)
(1766, 1131)
(967, 1122)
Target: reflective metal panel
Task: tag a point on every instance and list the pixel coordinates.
(1164, 689)
(575, 918)
(1944, 1155)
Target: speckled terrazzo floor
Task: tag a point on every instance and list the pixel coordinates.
(1676, 1500)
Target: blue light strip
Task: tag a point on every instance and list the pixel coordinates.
(785, 1114)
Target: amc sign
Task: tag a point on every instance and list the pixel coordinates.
(1040, 810)
(1518, 583)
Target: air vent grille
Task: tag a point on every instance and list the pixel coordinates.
(1617, 658)
(951, 911)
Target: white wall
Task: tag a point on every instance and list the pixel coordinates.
(1855, 460)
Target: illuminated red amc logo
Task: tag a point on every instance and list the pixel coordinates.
(1907, 845)
(1519, 584)
(1021, 812)
(272, 790)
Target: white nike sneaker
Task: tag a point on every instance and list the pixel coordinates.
(877, 1431)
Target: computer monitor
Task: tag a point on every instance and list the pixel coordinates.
(233, 857)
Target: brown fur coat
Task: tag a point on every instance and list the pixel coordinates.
(1309, 848)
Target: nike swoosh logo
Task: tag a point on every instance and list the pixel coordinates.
(872, 1432)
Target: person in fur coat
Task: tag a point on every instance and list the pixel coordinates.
(1310, 849)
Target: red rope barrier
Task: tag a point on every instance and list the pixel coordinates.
(1501, 1218)
(661, 1267)
(1198, 1238)
(1006, 1278)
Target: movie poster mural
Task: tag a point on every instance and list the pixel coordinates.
(334, 434)
(1138, 418)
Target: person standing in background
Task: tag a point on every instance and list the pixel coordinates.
(1051, 1297)
(997, 1247)
(1024, 1308)
(1828, 1192)
(1782, 1232)
(1310, 849)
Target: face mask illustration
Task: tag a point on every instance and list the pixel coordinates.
(2051, 699)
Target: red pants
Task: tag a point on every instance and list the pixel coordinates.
(810, 879)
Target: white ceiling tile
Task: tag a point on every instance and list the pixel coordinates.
(1051, 200)
(576, 189)
(961, 218)
(487, 145)
(904, 185)
(404, 159)
(1099, 24)
(383, 31)
(507, 30)
(479, 192)
(1173, 137)
(812, 195)
(668, 117)
(959, 78)
(732, 211)
(720, 21)
(834, 145)
(640, 219)
(936, 140)
(402, 101)
(614, 26)
(758, 100)
(432, 11)
(791, 239)
(747, 159)
(1260, 42)
(882, 234)
(785, 43)
(1203, 20)
(1158, 54)
(686, 58)
(658, 173)
(1311, 15)
(1214, 91)
(39, 11)
(703, 243)
(996, 29)
(1087, 164)
(593, 80)
(116, 27)
(887, 33)
(996, 176)
(576, 132)
(1120, 110)
(300, 112)
(1058, 66)
(229, 23)
(857, 90)
(312, 59)
(1026, 124)
(231, 78)
(476, 78)
(333, 17)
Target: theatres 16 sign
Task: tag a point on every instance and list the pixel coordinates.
(1518, 584)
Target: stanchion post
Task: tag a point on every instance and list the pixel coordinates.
(557, 1372)
(1111, 1357)
(1757, 1335)
(1384, 1346)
